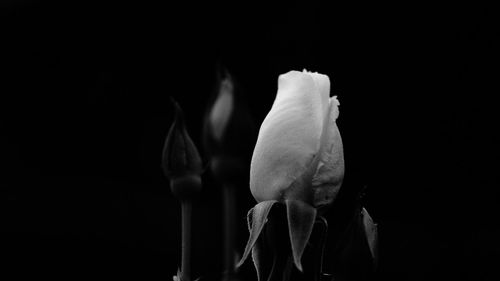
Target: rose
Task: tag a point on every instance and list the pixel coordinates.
(298, 160)
(299, 140)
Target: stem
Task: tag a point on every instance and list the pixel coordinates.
(287, 272)
(186, 207)
(320, 248)
(229, 227)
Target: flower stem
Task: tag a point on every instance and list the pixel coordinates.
(186, 208)
(229, 227)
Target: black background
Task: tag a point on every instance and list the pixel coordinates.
(84, 109)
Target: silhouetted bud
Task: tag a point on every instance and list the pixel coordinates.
(181, 160)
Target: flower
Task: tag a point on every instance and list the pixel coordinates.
(181, 161)
(222, 109)
(299, 154)
(229, 132)
(298, 160)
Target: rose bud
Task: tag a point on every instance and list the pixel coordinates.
(298, 159)
(181, 161)
(228, 132)
(297, 137)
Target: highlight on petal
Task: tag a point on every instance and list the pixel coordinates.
(257, 218)
(323, 86)
(301, 218)
(330, 171)
(290, 135)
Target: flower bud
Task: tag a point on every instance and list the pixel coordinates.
(181, 161)
(298, 159)
(229, 132)
(222, 109)
(299, 152)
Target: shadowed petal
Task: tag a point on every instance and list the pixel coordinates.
(330, 171)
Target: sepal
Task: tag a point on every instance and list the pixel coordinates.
(301, 217)
(257, 218)
(371, 233)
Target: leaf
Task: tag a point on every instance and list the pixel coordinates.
(257, 217)
(301, 217)
(371, 234)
